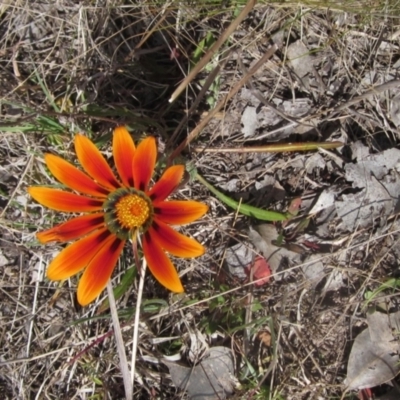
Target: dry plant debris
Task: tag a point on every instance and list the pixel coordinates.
(211, 379)
(331, 73)
(374, 357)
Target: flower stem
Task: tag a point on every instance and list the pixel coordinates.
(120, 343)
(142, 272)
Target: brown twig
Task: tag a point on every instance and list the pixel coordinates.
(273, 148)
(214, 48)
(223, 102)
(374, 90)
(209, 81)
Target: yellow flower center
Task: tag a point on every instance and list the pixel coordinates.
(126, 210)
(132, 211)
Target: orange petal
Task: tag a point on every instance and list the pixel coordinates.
(177, 212)
(72, 229)
(64, 201)
(160, 265)
(168, 182)
(99, 270)
(123, 151)
(144, 162)
(73, 177)
(76, 256)
(174, 242)
(94, 163)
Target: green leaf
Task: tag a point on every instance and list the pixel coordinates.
(245, 209)
(392, 283)
(202, 47)
(153, 305)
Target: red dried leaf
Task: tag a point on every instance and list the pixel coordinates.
(365, 394)
(294, 206)
(261, 269)
(311, 245)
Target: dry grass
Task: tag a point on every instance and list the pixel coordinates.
(68, 67)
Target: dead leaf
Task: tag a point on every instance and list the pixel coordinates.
(377, 177)
(325, 200)
(375, 165)
(265, 338)
(359, 150)
(236, 259)
(360, 209)
(212, 379)
(334, 280)
(294, 206)
(300, 59)
(249, 121)
(314, 270)
(261, 269)
(262, 237)
(315, 161)
(374, 357)
(248, 95)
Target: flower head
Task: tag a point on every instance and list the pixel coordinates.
(116, 209)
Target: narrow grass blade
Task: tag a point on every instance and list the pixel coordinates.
(275, 148)
(255, 212)
(49, 96)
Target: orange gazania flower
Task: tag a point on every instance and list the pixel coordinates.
(116, 211)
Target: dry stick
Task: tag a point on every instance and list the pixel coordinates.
(228, 97)
(120, 343)
(142, 273)
(210, 79)
(144, 39)
(214, 48)
(374, 90)
(273, 148)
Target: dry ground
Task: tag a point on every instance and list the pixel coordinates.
(70, 66)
